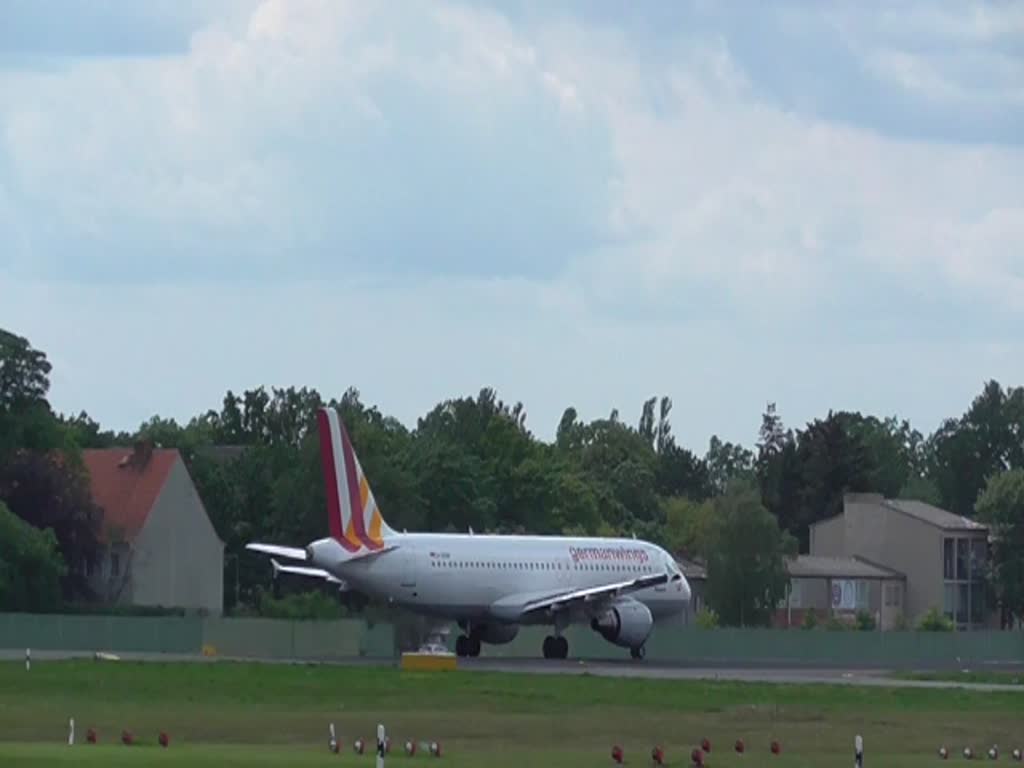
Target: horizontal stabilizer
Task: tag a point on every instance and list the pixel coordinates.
(292, 553)
(304, 571)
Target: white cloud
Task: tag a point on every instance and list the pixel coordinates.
(663, 216)
(958, 53)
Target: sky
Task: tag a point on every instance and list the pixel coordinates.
(583, 204)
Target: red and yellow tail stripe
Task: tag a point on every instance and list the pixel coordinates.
(354, 517)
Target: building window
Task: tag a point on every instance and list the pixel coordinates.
(961, 560)
(964, 568)
(948, 572)
(979, 559)
(978, 603)
(949, 599)
(863, 595)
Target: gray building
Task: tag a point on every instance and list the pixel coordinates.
(159, 547)
(943, 557)
(696, 576)
(841, 588)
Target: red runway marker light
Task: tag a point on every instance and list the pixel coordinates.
(127, 738)
(90, 736)
(658, 756)
(706, 746)
(164, 739)
(697, 757)
(776, 748)
(617, 753)
(739, 746)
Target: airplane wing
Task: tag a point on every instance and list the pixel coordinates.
(517, 607)
(599, 594)
(292, 553)
(303, 571)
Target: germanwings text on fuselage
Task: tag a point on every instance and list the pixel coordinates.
(608, 553)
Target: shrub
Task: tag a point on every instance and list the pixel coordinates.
(934, 621)
(865, 621)
(707, 618)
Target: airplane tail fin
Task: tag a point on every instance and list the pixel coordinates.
(355, 519)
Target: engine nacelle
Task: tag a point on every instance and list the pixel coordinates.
(496, 634)
(326, 554)
(627, 623)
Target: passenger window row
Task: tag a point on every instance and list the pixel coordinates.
(538, 566)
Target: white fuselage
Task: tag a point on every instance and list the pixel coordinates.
(469, 577)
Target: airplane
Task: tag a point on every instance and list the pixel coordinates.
(489, 584)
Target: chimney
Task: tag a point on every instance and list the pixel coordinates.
(141, 453)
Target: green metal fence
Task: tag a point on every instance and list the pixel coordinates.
(279, 639)
(47, 632)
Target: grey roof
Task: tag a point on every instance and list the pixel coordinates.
(814, 567)
(935, 516)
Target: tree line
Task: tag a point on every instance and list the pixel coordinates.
(472, 461)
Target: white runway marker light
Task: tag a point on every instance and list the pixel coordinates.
(332, 742)
(71, 732)
(28, 659)
(381, 745)
(858, 752)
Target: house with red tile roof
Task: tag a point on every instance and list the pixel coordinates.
(159, 546)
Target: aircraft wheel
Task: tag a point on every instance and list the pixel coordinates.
(473, 646)
(561, 645)
(461, 643)
(549, 647)
(638, 653)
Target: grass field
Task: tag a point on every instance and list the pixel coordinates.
(226, 714)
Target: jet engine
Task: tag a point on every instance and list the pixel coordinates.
(495, 633)
(325, 553)
(627, 623)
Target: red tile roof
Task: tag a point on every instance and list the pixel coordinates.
(126, 484)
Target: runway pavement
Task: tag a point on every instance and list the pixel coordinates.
(781, 675)
(626, 668)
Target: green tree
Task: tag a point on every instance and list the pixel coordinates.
(48, 493)
(964, 452)
(746, 559)
(31, 567)
(688, 526)
(833, 460)
(1001, 507)
(727, 462)
(778, 469)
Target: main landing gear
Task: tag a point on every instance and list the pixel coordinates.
(638, 652)
(556, 647)
(467, 645)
